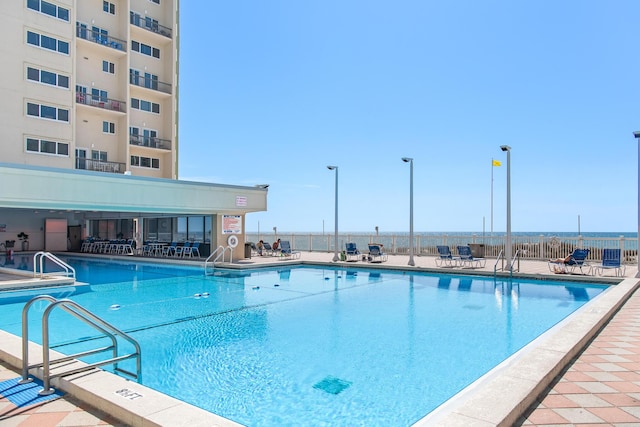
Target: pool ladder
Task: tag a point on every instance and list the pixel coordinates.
(38, 260)
(501, 256)
(90, 319)
(215, 257)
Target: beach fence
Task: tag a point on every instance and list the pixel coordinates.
(529, 246)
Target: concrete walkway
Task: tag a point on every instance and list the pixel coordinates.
(599, 388)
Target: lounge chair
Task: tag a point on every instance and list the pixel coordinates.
(577, 259)
(285, 250)
(376, 254)
(169, 250)
(465, 258)
(445, 257)
(610, 261)
(352, 252)
(267, 249)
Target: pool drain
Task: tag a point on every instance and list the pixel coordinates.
(332, 385)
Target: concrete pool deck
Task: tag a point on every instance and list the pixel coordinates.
(584, 371)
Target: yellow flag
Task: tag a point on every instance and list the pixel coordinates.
(497, 163)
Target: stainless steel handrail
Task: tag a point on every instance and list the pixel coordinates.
(40, 256)
(90, 319)
(222, 250)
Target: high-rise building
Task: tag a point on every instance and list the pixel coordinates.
(89, 130)
(91, 84)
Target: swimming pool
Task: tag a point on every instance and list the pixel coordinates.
(334, 346)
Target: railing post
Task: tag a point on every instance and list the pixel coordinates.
(621, 245)
(542, 252)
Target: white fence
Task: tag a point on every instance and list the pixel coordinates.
(530, 246)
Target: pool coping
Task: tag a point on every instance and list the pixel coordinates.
(525, 374)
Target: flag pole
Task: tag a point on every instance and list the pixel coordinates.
(491, 197)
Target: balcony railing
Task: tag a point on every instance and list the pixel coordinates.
(150, 141)
(100, 38)
(100, 166)
(150, 24)
(149, 83)
(101, 102)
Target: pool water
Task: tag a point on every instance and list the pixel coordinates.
(302, 345)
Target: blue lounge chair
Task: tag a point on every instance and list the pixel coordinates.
(610, 261)
(267, 249)
(445, 257)
(577, 259)
(285, 250)
(191, 251)
(352, 252)
(466, 258)
(376, 254)
(180, 250)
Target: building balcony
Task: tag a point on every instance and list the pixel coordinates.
(100, 166)
(149, 83)
(149, 141)
(101, 102)
(100, 38)
(148, 23)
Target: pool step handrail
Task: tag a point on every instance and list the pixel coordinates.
(90, 319)
(38, 260)
(501, 256)
(215, 257)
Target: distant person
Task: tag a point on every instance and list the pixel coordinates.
(260, 247)
(276, 245)
(564, 260)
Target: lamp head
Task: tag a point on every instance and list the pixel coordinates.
(263, 186)
(505, 148)
(332, 167)
(636, 134)
(407, 159)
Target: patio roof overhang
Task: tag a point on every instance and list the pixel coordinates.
(104, 195)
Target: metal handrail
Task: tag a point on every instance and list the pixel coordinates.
(68, 270)
(513, 260)
(90, 319)
(222, 250)
(495, 266)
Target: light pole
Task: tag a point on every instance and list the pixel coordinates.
(410, 161)
(637, 136)
(508, 240)
(335, 243)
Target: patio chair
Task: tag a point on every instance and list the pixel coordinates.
(445, 257)
(466, 258)
(610, 261)
(169, 250)
(180, 250)
(352, 251)
(192, 250)
(285, 250)
(577, 259)
(376, 254)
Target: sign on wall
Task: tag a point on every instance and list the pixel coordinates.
(241, 201)
(231, 224)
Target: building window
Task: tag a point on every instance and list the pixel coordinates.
(108, 67)
(139, 104)
(47, 42)
(109, 7)
(36, 145)
(108, 127)
(98, 155)
(47, 112)
(50, 9)
(155, 1)
(145, 162)
(145, 49)
(47, 77)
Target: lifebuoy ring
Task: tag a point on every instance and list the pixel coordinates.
(232, 241)
(554, 242)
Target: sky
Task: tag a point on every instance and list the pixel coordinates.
(274, 91)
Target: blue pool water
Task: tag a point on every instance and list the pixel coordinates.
(295, 346)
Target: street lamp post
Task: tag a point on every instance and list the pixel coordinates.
(335, 243)
(637, 136)
(410, 161)
(508, 240)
